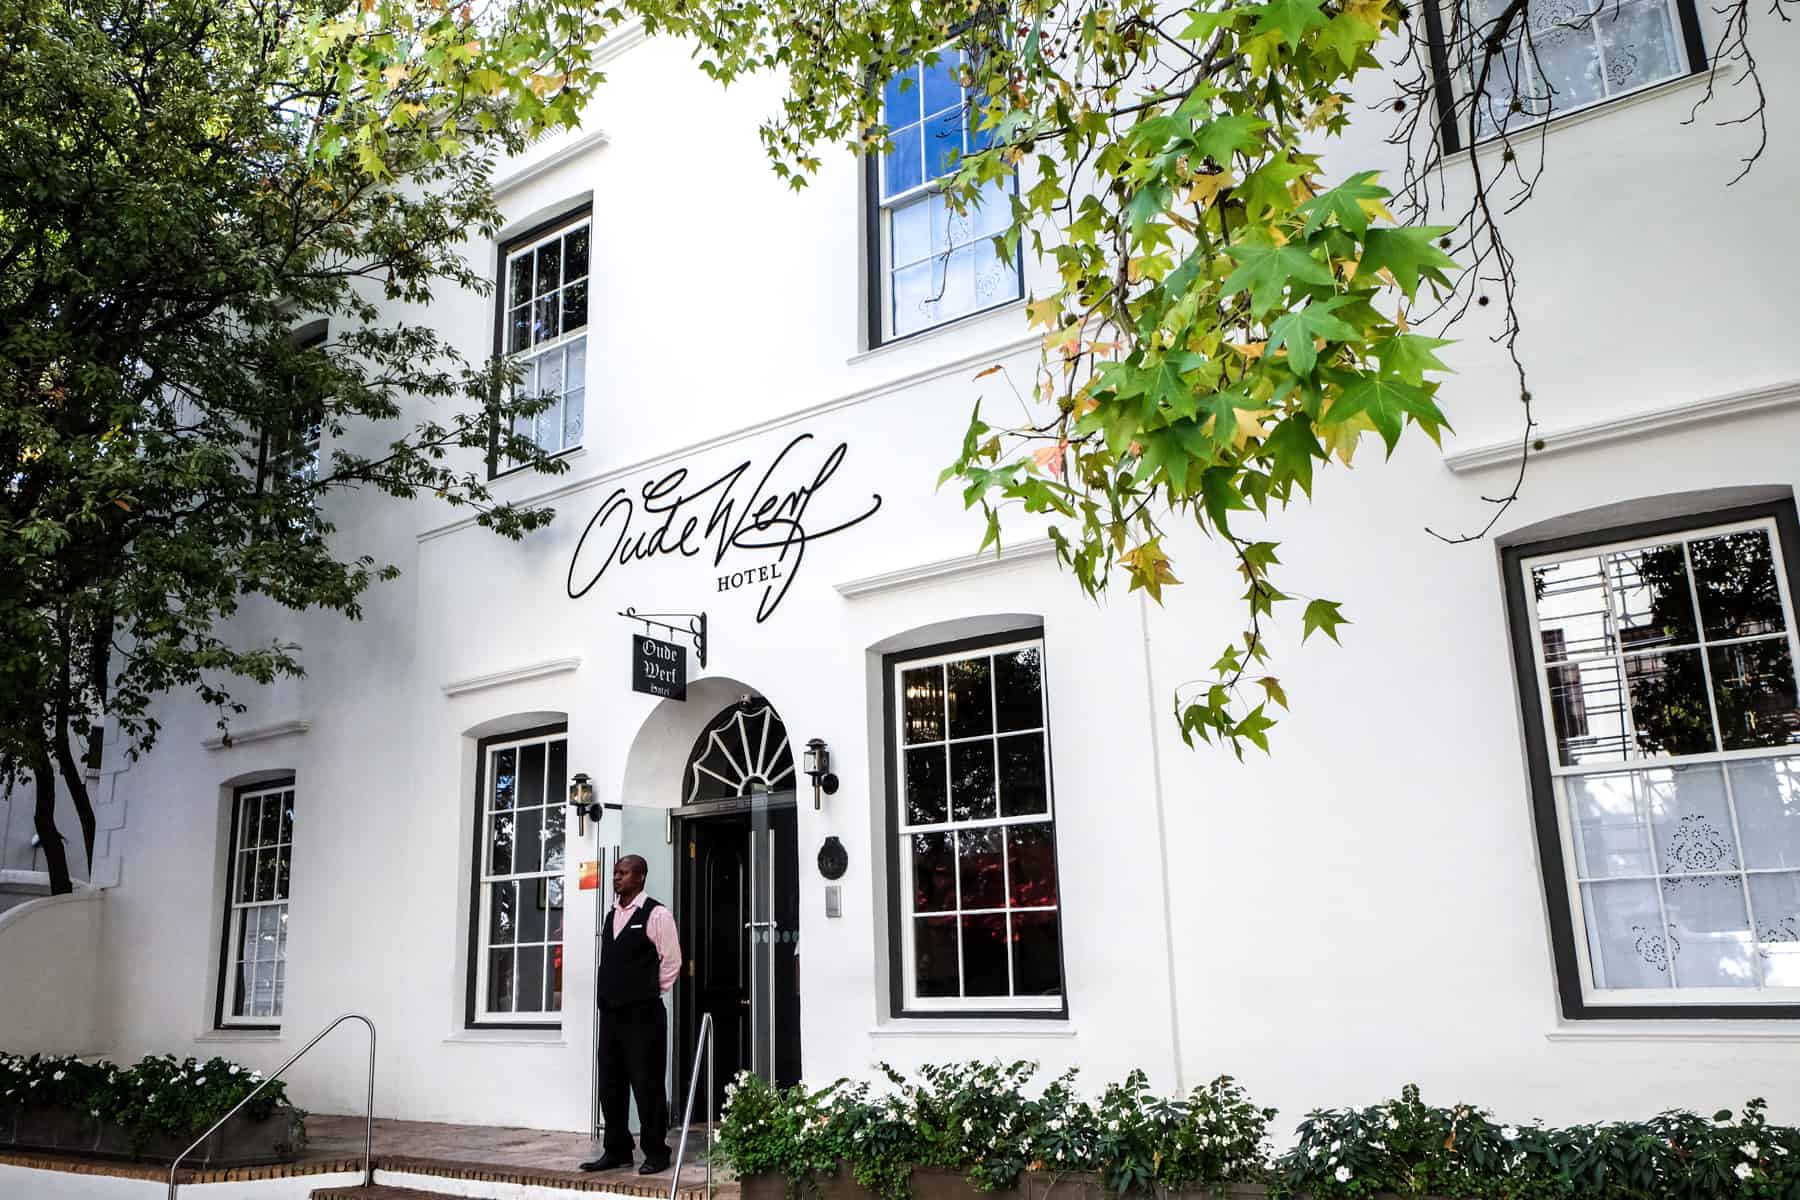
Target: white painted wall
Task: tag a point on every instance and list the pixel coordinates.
(1360, 910)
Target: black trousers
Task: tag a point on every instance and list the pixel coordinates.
(634, 1063)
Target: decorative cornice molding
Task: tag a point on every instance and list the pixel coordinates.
(619, 41)
(849, 400)
(494, 679)
(523, 175)
(261, 733)
(943, 568)
(1633, 425)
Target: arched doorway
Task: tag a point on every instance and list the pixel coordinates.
(738, 883)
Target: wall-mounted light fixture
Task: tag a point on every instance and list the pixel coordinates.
(818, 766)
(581, 799)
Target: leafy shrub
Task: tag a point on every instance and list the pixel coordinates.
(158, 1096)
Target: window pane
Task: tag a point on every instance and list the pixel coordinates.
(1625, 938)
(554, 923)
(923, 702)
(934, 885)
(574, 417)
(903, 167)
(519, 281)
(555, 983)
(528, 841)
(1767, 795)
(500, 845)
(996, 279)
(1018, 687)
(955, 283)
(1690, 820)
(262, 994)
(1573, 620)
(534, 905)
(1776, 899)
(1735, 575)
(972, 781)
(1607, 816)
(549, 383)
(518, 336)
(242, 981)
(942, 88)
(1753, 683)
(984, 948)
(281, 874)
(246, 867)
(1709, 931)
(575, 253)
(910, 228)
(281, 930)
(1587, 710)
(287, 817)
(549, 267)
(500, 981)
(505, 766)
(1037, 962)
(925, 800)
(934, 956)
(900, 98)
(531, 980)
(545, 313)
(269, 826)
(943, 143)
(1031, 865)
(546, 428)
(1565, 62)
(1668, 703)
(1022, 788)
(575, 366)
(575, 305)
(503, 906)
(980, 869)
(971, 697)
(267, 874)
(915, 297)
(1639, 43)
(1652, 603)
(280, 989)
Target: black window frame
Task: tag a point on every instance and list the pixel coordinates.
(220, 1025)
(897, 999)
(471, 998)
(504, 250)
(1444, 82)
(876, 297)
(1563, 931)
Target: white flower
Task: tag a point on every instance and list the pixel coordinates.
(1342, 1175)
(58, 1075)
(1378, 1145)
(1743, 1171)
(234, 1071)
(199, 1081)
(968, 1124)
(1312, 1152)
(1336, 1146)
(151, 1099)
(93, 1112)
(1779, 1149)
(1393, 1122)
(1508, 1132)
(1749, 1150)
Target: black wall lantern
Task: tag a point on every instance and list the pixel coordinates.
(818, 766)
(581, 799)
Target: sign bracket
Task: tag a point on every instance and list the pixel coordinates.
(694, 629)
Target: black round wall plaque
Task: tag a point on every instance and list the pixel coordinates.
(834, 860)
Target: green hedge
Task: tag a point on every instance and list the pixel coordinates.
(158, 1096)
(987, 1121)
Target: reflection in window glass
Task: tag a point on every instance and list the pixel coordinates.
(546, 313)
(520, 910)
(256, 931)
(978, 851)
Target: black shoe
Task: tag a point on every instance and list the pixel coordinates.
(607, 1162)
(652, 1167)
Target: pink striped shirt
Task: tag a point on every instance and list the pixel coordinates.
(662, 933)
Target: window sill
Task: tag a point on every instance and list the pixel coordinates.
(1002, 1027)
(227, 1037)
(1581, 116)
(552, 1036)
(1676, 1030)
(996, 316)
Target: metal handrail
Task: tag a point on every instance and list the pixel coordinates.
(368, 1115)
(704, 1049)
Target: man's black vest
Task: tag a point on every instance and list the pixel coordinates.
(630, 968)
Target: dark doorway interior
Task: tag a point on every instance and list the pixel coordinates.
(739, 917)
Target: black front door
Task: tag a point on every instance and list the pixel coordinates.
(740, 928)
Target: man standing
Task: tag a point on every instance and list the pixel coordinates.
(640, 956)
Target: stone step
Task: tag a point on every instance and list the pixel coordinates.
(379, 1192)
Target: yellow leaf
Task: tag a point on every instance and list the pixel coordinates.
(986, 371)
(1051, 458)
(1249, 425)
(1248, 349)
(1341, 437)
(1043, 312)
(1206, 188)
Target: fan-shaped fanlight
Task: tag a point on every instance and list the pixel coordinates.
(742, 750)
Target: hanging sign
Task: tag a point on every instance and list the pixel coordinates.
(658, 668)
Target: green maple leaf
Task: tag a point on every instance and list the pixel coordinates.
(1220, 138)
(1220, 495)
(1409, 355)
(1253, 729)
(1345, 203)
(1264, 269)
(1409, 255)
(1322, 615)
(1293, 447)
(1265, 190)
(1297, 330)
(1291, 19)
(1349, 37)
(1388, 402)
(1223, 407)
(1272, 686)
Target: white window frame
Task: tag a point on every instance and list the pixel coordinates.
(1673, 997)
(881, 209)
(561, 344)
(247, 843)
(553, 879)
(904, 832)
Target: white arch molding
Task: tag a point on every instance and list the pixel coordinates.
(656, 765)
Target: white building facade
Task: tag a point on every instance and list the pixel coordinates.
(1530, 837)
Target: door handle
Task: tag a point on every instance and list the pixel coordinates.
(759, 924)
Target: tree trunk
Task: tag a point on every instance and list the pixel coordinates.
(56, 856)
(76, 781)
